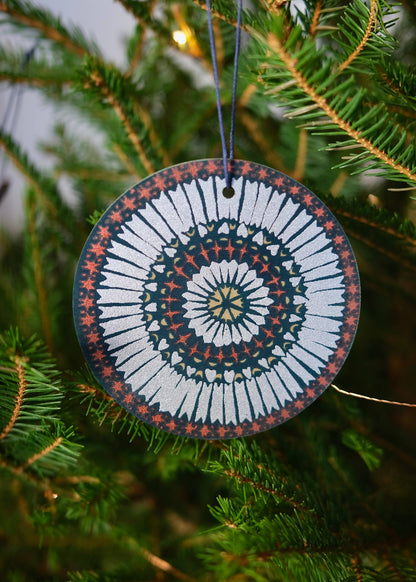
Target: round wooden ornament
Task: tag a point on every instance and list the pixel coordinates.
(213, 316)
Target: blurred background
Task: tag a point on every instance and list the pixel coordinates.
(106, 22)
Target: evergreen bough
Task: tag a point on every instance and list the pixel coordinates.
(88, 492)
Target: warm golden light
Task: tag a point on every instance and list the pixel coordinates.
(179, 37)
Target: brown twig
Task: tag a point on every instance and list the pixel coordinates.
(153, 137)
(356, 567)
(75, 479)
(100, 83)
(39, 455)
(315, 17)
(19, 400)
(394, 257)
(245, 480)
(372, 399)
(219, 46)
(164, 566)
(33, 81)
(126, 162)
(38, 274)
(137, 55)
(258, 137)
(216, 14)
(370, 25)
(352, 548)
(368, 222)
(92, 174)
(338, 183)
(95, 392)
(297, 173)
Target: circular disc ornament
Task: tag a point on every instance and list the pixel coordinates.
(213, 316)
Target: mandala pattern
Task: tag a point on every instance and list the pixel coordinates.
(216, 317)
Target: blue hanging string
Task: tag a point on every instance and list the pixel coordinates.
(225, 155)
(235, 78)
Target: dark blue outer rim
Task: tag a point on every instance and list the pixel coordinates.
(92, 258)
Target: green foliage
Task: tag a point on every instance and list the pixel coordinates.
(110, 87)
(53, 76)
(370, 454)
(36, 374)
(317, 81)
(277, 525)
(87, 491)
(32, 435)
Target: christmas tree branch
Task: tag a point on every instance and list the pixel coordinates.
(137, 54)
(121, 114)
(106, 407)
(338, 184)
(259, 486)
(262, 477)
(164, 566)
(379, 145)
(48, 26)
(372, 18)
(112, 88)
(143, 13)
(396, 257)
(274, 43)
(19, 399)
(153, 137)
(355, 562)
(224, 14)
(38, 273)
(373, 224)
(40, 454)
(32, 81)
(36, 71)
(96, 174)
(351, 548)
(200, 118)
(258, 137)
(299, 169)
(40, 184)
(399, 83)
(37, 377)
(126, 162)
(315, 18)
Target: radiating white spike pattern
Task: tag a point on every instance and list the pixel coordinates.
(224, 311)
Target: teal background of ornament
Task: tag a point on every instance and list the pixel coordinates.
(164, 305)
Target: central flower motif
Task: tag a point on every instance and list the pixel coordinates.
(226, 303)
(217, 304)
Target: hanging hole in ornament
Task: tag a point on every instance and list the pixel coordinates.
(228, 192)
